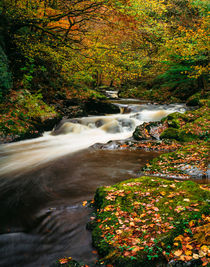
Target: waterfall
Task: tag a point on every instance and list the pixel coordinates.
(76, 134)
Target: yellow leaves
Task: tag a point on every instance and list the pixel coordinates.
(178, 253)
(179, 238)
(132, 224)
(119, 232)
(191, 223)
(204, 249)
(188, 252)
(189, 247)
(108, 208)
(195, 256)
(84, 203)
(202, 234)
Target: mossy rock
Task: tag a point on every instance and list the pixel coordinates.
(96, 107)
(138, 219)
(141, 132)
(170, 133)
(144, 131)
(175, 123)
(194, 100)
(175, 116)
(186, 137)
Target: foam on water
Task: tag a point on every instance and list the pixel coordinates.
(71, 137)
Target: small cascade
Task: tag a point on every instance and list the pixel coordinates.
(76, 134)
(112, 94)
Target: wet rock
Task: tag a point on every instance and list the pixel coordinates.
(141, 133)
(192, 263)
(95, 107)
(99, 123)
(192, 171)
(149, 131)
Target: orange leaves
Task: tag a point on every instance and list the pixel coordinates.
(65, 260)
(192, 247)
(142, 218)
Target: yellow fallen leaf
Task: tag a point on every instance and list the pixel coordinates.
(179, 238)
(188, 252)
(195, 256)
(204, 248)
(84, 203)
(178, 253)
(132, 224)
(189, 246)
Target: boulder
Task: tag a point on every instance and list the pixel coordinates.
(96, 107)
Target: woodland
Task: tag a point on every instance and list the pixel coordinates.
(57, 58)
(56, 53)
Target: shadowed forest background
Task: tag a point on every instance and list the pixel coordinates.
(63, 53)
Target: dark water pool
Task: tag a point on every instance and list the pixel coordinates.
(42, 216)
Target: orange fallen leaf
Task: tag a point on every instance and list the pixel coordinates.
(63, 261)
(84, 203)
(189, 246)
(188, 258)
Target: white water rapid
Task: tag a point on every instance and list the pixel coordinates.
(77, 134)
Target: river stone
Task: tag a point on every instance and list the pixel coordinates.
(148, 131)
(96, 107)
(141, 133)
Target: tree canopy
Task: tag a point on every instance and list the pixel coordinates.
(68, 49)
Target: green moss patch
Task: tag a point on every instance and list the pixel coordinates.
(189, 160)
(138, 220)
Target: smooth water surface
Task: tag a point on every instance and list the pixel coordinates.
(44, 181)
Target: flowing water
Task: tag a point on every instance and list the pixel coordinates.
(43, 182)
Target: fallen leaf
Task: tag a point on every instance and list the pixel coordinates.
(84, 203)
(178, 253)
(195, 256)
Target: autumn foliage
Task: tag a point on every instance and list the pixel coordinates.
(144, 219)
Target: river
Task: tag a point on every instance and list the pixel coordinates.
(44, 181)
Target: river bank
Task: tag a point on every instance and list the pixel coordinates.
(52, 165)
(123, 221)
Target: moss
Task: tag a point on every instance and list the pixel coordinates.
(170, 133)
(190, 159)
(138, 219)
(194, 100)
(141, 132)
(186, 137)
